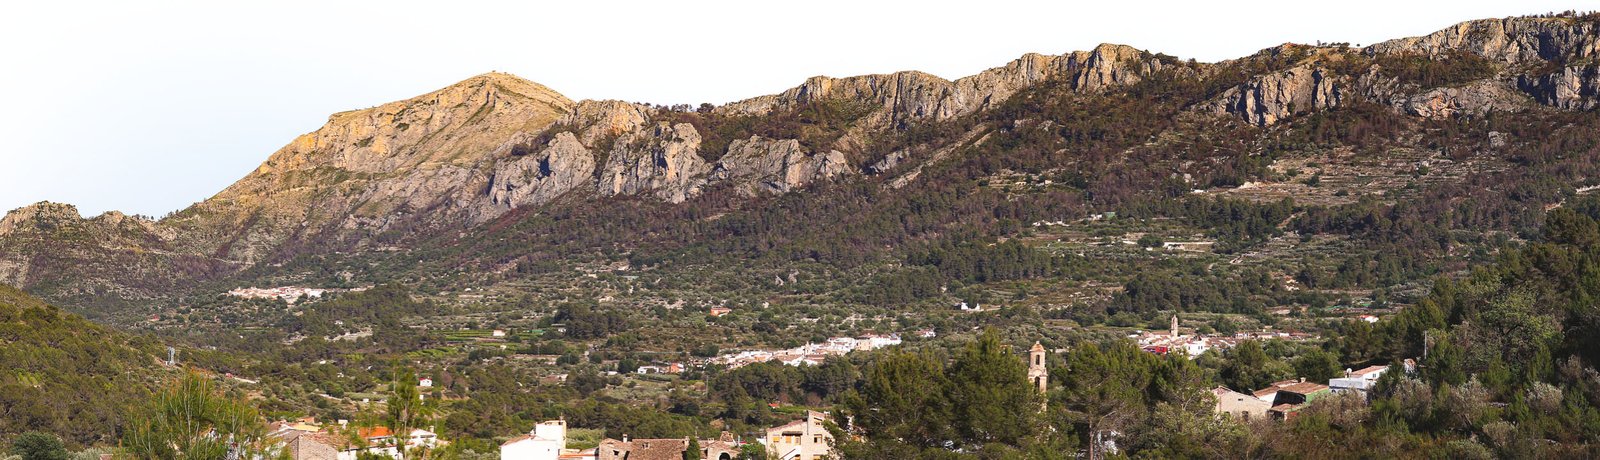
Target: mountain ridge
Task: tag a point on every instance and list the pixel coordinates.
(388, 176)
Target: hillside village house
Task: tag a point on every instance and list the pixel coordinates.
(306, 441)
(1359, 381)
(547, 441)
(1239, 405)
(804, 439)
(1291, 398)
(725, 447)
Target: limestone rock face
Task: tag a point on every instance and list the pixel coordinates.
(600, 119)
(419, 163)
(889, 161)
(662, 160)
(560, 166)
(913, 95)
(1573, 88)
(759, 165)
(1268, 99)
(1510, 40)
(1474, 99)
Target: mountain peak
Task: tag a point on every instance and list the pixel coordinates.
(41, 213)
(504, 81)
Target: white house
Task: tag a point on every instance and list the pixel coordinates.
(425, 382)
(545, 442)
(1362, 380)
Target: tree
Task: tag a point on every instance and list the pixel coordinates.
(1106, 389)
(190, 419)
(35, 445)
(1444, 363)
(586, 380)
(991, 400)
(1247, 367)
(753, 451)
(693, 451)
(902, 401)
(406, 408)
(1317, 365)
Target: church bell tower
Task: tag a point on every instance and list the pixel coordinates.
(1036, 371)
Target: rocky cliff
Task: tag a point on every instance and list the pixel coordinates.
(1267, 99)
(917, 95)
(1520, 40)
(757, 165)
(1521, 52)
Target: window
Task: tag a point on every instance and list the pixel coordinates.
(816, 439)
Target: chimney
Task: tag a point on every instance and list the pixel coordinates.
(624, 437)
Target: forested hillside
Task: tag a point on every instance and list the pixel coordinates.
(66, 375)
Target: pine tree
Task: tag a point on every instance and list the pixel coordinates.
(191, 420)
(990, 397)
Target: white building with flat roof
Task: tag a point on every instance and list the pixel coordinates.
(545, 442)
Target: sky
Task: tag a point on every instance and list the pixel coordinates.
(148, 107)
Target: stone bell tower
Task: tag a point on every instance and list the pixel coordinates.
(1037, 375)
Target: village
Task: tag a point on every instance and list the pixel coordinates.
(288, 294)
(1194, 345)
(807, 436)
(812, 354)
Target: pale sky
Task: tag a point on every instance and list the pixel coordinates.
(147, 107)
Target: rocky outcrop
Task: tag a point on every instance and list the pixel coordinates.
(914, 95)
(1573, 87)
(1510, 40)
(42, 215)
(758, 165)
(1525, 46)
(889, 162)
(662, 160)
(1478, 98)
(558, 167)
(1268, 99)
(602, 119)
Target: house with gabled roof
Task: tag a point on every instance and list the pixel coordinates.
(1239, 405)
(804, 439)
(725, 447)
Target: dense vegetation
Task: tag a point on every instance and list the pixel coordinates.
(64, 375)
